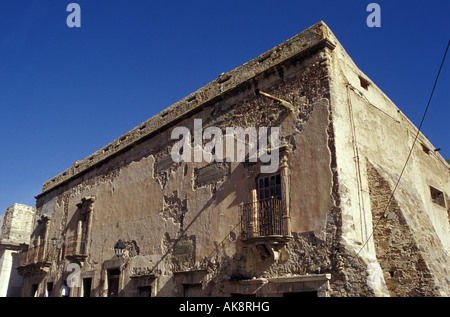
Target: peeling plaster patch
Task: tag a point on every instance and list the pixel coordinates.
(174, 207)
(211, 173)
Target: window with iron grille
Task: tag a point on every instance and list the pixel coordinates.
(269, 187)
(263, 217)
(437, 196)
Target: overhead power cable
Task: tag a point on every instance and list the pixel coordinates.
(410, 152)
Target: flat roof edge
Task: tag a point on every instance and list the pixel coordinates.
(304, 43)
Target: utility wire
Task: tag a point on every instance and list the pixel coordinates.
(410, 152)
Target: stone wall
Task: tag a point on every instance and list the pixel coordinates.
(16, 230)
(18, 223)
(405, 271)
(371, 133)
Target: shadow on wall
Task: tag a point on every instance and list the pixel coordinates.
(183, 267)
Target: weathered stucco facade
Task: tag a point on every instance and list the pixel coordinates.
(15, 231)
(196, 229)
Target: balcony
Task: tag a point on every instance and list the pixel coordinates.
(34, 258)
(264, 220)
(75, 249)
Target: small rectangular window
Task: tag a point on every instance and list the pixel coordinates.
(145, 291)
(437, 196)
(269, 187)
(113, 282)
(425, 149)
(87, 284)
(34, 290)
(364, 82)
(49, 291)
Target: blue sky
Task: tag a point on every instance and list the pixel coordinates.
(67, 92)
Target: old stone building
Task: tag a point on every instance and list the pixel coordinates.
(321, 217)
(15, 232)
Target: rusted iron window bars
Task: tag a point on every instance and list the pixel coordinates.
(262, 218)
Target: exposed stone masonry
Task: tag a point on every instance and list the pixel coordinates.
(405, 270)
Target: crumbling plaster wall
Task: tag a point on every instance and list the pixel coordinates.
(142, 196)
(407, 247)
(370, 128)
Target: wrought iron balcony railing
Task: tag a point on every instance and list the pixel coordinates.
(75, 247)
(34, 254)
(264, 218)
(40, 252)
